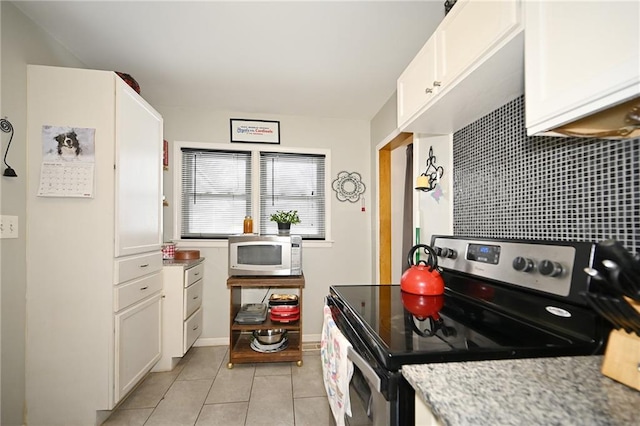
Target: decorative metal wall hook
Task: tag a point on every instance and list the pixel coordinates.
(7, 127)
(429, 178)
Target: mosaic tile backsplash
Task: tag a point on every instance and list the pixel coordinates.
(510, 185)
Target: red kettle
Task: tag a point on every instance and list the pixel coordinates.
(422, 278)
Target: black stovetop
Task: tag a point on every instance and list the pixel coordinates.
(476, 321)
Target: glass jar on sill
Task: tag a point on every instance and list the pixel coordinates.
(248, 225)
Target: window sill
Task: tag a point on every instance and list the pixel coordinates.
(225, 243)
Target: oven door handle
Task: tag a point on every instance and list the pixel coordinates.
(365, 368)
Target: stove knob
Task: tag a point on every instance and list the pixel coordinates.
(446, 252)
(523, 264)
(550, 268)
(450, 253)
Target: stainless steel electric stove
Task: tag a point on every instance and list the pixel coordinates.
(503, 299)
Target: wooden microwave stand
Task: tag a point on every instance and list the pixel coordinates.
(241, 335)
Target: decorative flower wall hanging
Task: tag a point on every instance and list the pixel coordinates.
(348, 186)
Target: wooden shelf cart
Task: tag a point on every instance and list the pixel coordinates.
(240, 335)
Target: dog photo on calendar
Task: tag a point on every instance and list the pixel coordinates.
(68, 144)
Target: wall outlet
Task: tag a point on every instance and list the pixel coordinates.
(8, 226)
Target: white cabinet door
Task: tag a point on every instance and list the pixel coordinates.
(137, 349)
(415, 87)
(470, 31)
(138, 174)
(580, 57)
(477, 52)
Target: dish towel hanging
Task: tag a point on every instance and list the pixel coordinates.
(337, 368)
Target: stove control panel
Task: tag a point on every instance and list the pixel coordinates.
(538, 266)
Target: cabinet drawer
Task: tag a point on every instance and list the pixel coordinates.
(192, 298)
(192, 329)
(193, 274)
(136, 266)
(134, 291)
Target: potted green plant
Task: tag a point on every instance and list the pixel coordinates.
(285, 220)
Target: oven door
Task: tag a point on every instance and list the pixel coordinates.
(378, 396)
(368, 405)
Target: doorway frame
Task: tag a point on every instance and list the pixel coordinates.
(395, 141)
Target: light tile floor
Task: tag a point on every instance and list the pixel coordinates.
(201, 391)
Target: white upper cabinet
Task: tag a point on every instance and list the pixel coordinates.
(470, 32)
(418, 83)
(580, 57)
(471, 65)
(138, 174)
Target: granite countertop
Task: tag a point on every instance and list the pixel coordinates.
(540, 391)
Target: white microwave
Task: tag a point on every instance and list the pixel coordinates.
(251, 254)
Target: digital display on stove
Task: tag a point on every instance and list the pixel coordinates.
(483, 253)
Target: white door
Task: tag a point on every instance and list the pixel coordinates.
(138, 174)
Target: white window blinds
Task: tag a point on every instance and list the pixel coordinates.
(216, 192)
(293, 182)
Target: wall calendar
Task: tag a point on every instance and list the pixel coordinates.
(68, 161)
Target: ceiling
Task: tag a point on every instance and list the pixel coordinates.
(323, 59)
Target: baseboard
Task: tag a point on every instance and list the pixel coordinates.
(212, 341)
(222, 341)
(311, 337)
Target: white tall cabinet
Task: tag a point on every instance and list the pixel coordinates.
(94, 264)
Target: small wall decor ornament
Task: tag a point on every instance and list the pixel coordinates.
(348, 186)
(7, 127)
(428, 180)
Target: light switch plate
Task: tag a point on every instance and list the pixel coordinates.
(8, 226)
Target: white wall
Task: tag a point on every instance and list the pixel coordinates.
(434, 214)
(385, 122)
(346, 261)
(22, 43)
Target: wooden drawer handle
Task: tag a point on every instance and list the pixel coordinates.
(144, 288)
(195, 297)
(195, 328)
(196, 273)
(144, 265)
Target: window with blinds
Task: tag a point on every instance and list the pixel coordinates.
(293, 182)
(216, 192)
(219, 188)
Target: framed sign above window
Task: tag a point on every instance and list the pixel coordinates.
(255, 131)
